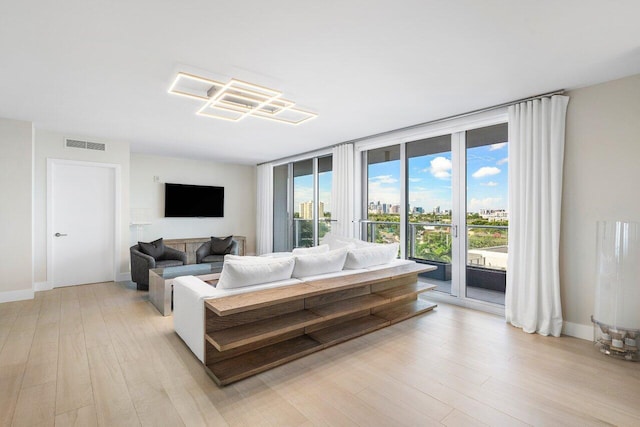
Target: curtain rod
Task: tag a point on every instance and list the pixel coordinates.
(431, 122)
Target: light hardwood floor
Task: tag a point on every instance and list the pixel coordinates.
(101, 354)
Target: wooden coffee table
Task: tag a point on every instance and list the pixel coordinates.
(161, 282)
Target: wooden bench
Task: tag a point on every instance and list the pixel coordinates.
(250, 333)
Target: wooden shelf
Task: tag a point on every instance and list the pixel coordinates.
(250, 333)
(251, 301)
(348, 330)
(237, 336)
(348, 306)
(401, 292)
(400, 312)
(254, 362)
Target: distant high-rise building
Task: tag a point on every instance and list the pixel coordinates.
(306, 210)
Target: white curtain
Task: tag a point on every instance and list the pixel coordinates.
(264, 209)
(536, 152)
(342, 186)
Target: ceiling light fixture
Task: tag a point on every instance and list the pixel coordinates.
(238, 99)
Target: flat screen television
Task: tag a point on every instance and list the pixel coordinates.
(182, 201)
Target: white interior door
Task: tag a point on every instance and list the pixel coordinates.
(82, 199)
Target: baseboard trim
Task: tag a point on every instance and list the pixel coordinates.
(42, 286)
(123, 277)
(578, 330)
(10, 296)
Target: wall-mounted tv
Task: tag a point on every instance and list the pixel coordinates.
(182, 200)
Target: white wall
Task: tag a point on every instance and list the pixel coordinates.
(601, 179)
(51, 145)
(16, 168)
(147, 198)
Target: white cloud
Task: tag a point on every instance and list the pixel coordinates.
(486, 171)
(440, 167)
(415, 179)
(488, 203)
(494, 147)
(502, 161)
(383, 179)
(386, 194)
(490, 184)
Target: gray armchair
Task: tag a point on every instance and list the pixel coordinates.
(205, 254)
(141, 263)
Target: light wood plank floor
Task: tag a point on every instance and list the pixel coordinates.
(102, 355)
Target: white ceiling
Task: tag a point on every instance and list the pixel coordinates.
(102, 68)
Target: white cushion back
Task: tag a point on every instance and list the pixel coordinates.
(246, 271)
(320, 249)
(315, 264)
(370, 255)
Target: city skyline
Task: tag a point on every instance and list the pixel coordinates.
(429, 181)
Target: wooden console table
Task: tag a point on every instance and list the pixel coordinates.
(191, 245)
(250, 333)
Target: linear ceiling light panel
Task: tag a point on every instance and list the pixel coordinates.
(236, 100)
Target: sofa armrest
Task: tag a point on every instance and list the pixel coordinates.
(140, 265)
(189, 294)
(203, 251)
(234, 247)
(171, 253)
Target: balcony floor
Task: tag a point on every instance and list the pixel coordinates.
(480, 294)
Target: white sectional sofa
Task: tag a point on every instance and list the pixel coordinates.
(335, 257)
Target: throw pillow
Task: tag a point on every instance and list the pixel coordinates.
(316, 264)
(221, 246)
(154, 249)
(239, 273)
(321, 249)
(369, 256)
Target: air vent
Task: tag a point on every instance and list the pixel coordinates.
(87, 145)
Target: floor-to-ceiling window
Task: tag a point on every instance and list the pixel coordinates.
(429, 207)
(444, 198)
(302, 202)
(304, 214)
(382, 210)
(325, 176)
(487, 217)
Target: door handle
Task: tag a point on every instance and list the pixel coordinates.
(59, 235)
(454, 230)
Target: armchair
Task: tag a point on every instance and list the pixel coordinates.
(141, 263)
(206, 252)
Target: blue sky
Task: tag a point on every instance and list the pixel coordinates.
(430, 180)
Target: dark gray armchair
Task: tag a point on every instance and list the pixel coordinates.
(205, 253)
(141, 263)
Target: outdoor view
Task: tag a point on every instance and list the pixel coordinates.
(429, 199)
(304, 207)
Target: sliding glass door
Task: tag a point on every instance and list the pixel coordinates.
(444, 198)
(301, 203)
(487, 218)
(430, 207)
(382, 210)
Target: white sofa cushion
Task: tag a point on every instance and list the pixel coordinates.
(319, 263)
(337, 242)
(320, 249)
(239, 271)
(368, 256)
(394, 263)
(333, 275)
